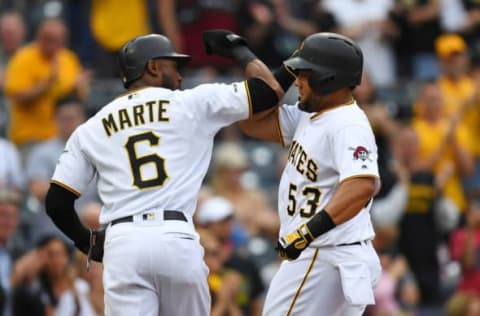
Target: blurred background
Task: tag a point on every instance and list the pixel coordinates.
(420, 90)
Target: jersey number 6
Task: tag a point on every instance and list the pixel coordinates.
(312, 194)
(137, 162)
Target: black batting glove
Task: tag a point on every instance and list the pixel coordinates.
(95, 251)
(290, 246)
(222, 42)
(227, 44)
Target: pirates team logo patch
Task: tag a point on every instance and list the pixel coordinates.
(361, 153)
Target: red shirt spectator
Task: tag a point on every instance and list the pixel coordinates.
(465, 247)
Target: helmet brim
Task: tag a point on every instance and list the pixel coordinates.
(181, 59)
(298, 63)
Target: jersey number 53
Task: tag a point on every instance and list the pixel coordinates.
(312, 196)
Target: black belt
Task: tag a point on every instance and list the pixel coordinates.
(357, 243)
(167, 216)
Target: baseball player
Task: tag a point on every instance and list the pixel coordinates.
(150, 149)
(326, 188)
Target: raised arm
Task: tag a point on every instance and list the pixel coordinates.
(265, 88)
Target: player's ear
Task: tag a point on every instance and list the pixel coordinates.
(152, 68)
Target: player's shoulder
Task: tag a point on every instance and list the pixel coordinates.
(348, 116)
(215, 88)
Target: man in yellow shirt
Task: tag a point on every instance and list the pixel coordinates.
(443, 144)
(456, 86)
(461, 96)
(37, 76)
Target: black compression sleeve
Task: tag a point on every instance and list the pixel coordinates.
(320, 223)
(243, 55)
(285, 77)
(60, 207)
(262, 97)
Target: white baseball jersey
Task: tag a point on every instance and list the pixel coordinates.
(325, 149)
(151, 147)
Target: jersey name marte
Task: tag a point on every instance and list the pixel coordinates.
(140, 114)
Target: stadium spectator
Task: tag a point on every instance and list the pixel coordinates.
(94, 279)
(472, 120)
(9, 216)
(89, 215)
(224, 284)
(37, 76)
(397, 292)
(112, 24)
(69, 114)
(12, 37)
(281, 25)
(463, 304)
(443, 143)
(216, 215)
(456, 86)
(43, 158)
(470, 28)
(11, 171)
(252, 209)
(184, 21)
(420, 213)
(368, 23)
(45, 285)
(419, 25)
(465, 248)
(384, 127)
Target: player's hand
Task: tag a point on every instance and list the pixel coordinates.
(290, 246)
(95, 252)
(222, 42)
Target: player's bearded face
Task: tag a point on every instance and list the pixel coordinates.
(305, 102)
(171, 78)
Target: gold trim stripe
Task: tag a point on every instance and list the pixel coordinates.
(130, 92)
(366, 175)
(317, 114)
(303, 283)
(66, 187)
(290, 70)
(249, 98)
(279, 128)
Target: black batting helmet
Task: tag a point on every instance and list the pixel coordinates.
(135, 54)
(335, 62)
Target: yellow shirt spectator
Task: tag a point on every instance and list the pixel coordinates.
(431, 137)
(35, 120)
(115, 22)
(456, 93)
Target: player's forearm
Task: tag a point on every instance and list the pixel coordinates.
(350, 198)
(60, 207)
(257, 69)
(262, 126)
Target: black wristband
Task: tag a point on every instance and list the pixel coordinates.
(320, 223)
(243, 55)
(285, 77)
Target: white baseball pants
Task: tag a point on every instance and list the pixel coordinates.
(150, 271)
(329, 281)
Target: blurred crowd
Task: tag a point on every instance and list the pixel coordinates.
(420, 91)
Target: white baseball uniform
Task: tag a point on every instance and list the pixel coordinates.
(150, 150)
(337, 273)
